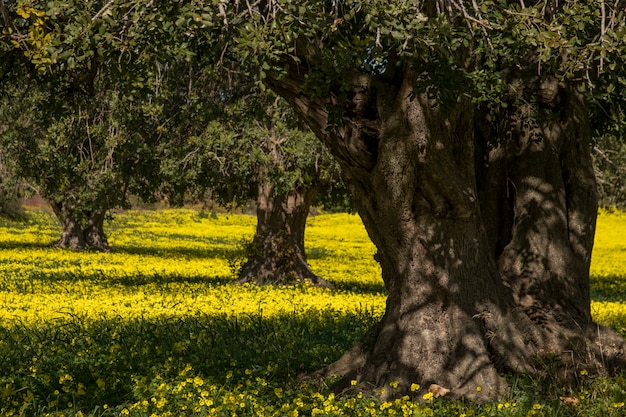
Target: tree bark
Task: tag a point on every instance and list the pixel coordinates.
(410, 169)
(276, 254)
(81, 232)
(470, 283)
(540, 200)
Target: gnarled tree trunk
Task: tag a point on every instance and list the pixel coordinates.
(84, 232)
(479, 281)
(540, 205)
(276, 254)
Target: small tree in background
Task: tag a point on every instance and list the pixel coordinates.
(609, 148)
(75, 106)
(609, 155)
(251, 147)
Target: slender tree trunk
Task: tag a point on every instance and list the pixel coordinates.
(276, 255)
(472, 273)
(81, 233)
(10, 207)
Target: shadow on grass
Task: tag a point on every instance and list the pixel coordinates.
(180, 254)
(33, 282)
(113, 361)
(361, 287)
(37, 279)
(608, 288)
(215, 248)
(45, 244)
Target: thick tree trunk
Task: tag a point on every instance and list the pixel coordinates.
(479, 282)
(276, 255)
(540, 204)
(84, 233)
(449, 318)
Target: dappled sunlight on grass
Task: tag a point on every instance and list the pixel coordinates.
(154, 328)
(172, 263)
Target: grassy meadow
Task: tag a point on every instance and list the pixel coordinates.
(154, 329)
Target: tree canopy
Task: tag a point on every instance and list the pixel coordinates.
(76, 113)
(226, 136)
(464, 46)
(453, 47)
(104, 100)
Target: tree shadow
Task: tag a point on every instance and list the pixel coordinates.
(115, 359)
(28, 245)
(608, 288)
(100, 278)
(359, 287)
(179, 252)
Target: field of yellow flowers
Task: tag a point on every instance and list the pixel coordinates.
(155, 329)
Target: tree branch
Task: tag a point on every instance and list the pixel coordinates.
(5, 14)
(101, 12)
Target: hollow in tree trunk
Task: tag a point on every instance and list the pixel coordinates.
(276, 254)
(475, 288)
(84, 231)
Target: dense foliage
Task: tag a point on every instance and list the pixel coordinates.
(75, 113)
(455, 47)
(610, 161)
(225, 140)
(135, 333)
(100, 101)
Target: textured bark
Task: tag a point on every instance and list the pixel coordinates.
(410, 169)
(84, 233)
(276, 255)
(480, 279)
(540, 203)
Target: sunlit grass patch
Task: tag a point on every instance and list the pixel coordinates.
(608, 271)
(170, 299)
(169, 263)
(346, 254)
(609, 251)
(610, 313)
(608, 266)
(37, 229)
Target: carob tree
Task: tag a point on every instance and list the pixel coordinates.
(77, 83)
(237, 143)
(462, 130)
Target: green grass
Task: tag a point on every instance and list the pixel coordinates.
(154, 328)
